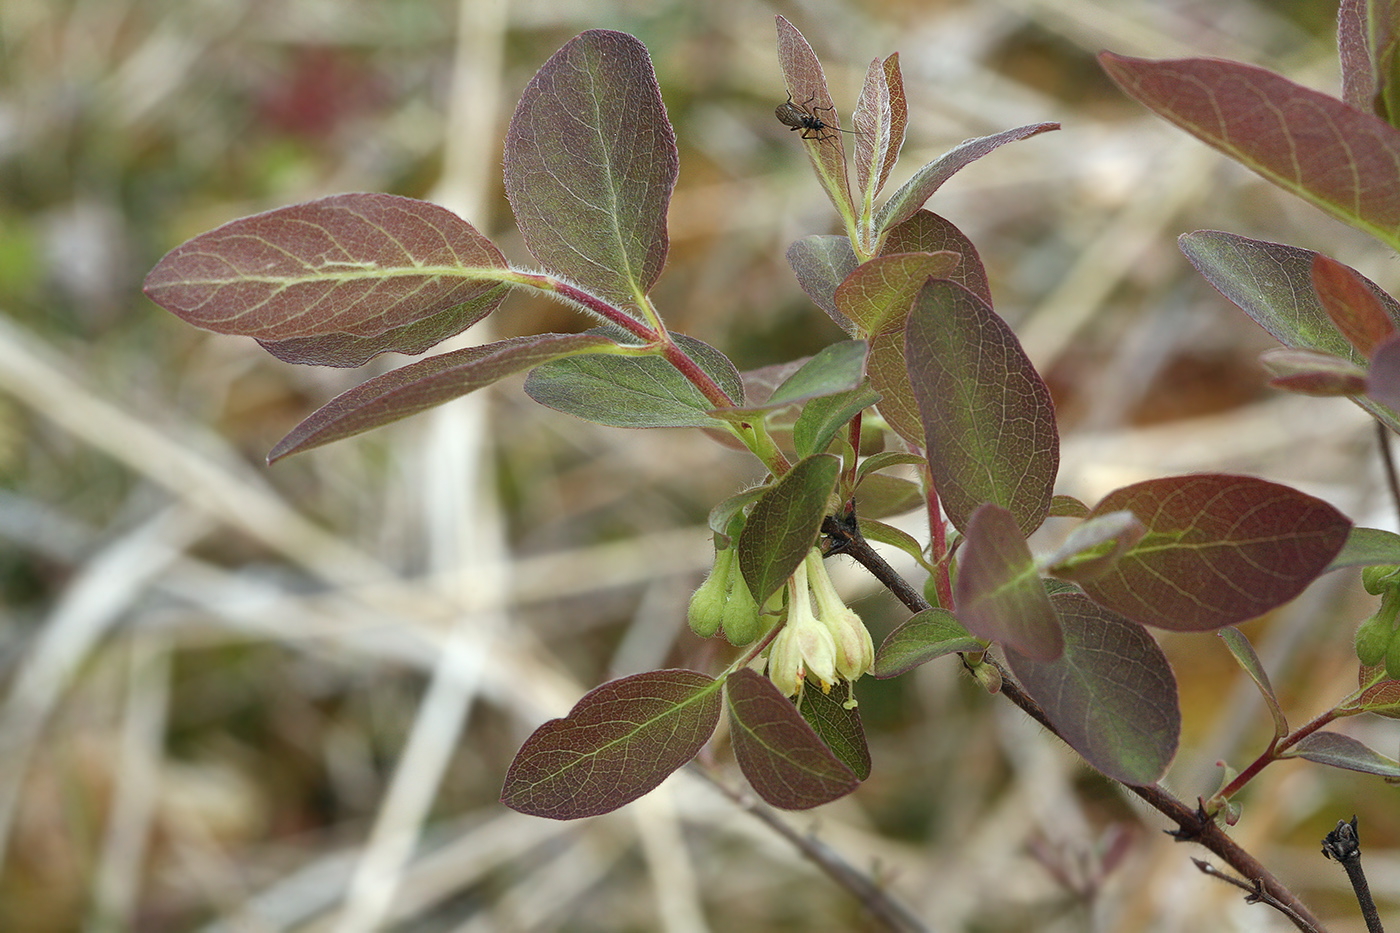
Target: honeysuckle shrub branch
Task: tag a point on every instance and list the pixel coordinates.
(929, 378)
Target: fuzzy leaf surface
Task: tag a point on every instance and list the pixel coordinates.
(365, 272)
(1341, 159)
(821, 263)
(784, 759)
(590, 163)
(886, 285)
(806, 83)
(1308, 372)
(914, 192)
(618, 742)
(1094, 546)
(1342, 751)
(837, 367)
(882, 113)
(839, 728)
(1272, 283)
(419, 386)
(1354, 51)
(1111, 694)
(927, 232)
(930, 634)
(988, 420)
(633, 391)
(784, 524)
(999, 594)
(1248, 660)
(1219, 549)
(822, 417)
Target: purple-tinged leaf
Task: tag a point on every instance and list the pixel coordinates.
(1381, 697)
(1272, 283)
(889, 375)
(396, 273)
(1354, 50)
(988, 420)
(1367, 547)
(1383, 378)
(1111, 694)
(914, 192)
(1341, 159)
(839, 728)
(1219, 549)
(1308, 372)
(927, 232)
(618, 742)
(806, 84)
(1244, 653)
(821, 418)
(999, 594)
(1342, 751)
(633, 391)
(590, 162)
(886, 285)
(838, 367)
(1347, 297)
(1094, 546)
(784, 524)
(880, 119)
(821, 263)
(784, 759)
(419, 386)
(930, 634)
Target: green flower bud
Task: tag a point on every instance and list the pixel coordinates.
(707, 603)
(1392, 658)
(1373, 640)
(1378, 579)
(741, 621)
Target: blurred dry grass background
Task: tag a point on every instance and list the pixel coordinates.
(247, 699)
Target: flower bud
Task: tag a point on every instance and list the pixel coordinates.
(740, 618)
(1392, 658)
(1372, 639)
(707, 603)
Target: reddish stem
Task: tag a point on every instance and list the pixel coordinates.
(938, 542)
(1273, 753)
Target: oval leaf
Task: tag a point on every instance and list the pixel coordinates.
(1219, 549)
(1347, 298)
(839, 367)
(988, 421)
(396, 273)
(927, 635)
(784, 759)
(839, 728)
(806, 83)
(619, 742)
(821, 263)
(927, 232)
(999, 594)
(1342, 751)
(590, 162)
(1339, 158)
(784, 524)
(419, 386)
(887, 285)
(1111, 694)
(633, 391)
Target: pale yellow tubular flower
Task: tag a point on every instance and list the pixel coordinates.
(855, 651)
(804, 646)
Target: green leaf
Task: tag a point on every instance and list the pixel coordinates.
(930, 634)
(1368, 547)
(1219, 549)
(1342, 751)
(821, 263)
(1094, 546)
(786, 761)
(880, 496)
(419, 386)
(1341, 159)
(617, 743)
(839, 728)
(881, 533)
(337, 280)
(822, 417)
(1111, 694)
(1244, 653)
(806, 84)
(914, 192)
(886, 458)
(988, 420)
(887, 284)
(633, 391)
(838, 367)
(926, 232)
(590, 162)
(1067, 507)
(784, 523)
(999, 595)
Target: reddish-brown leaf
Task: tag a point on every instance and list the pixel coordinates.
(1219, 549)
(887, 284)
(999, 594)
(927, 232)
(806, 84)
(1349, 301)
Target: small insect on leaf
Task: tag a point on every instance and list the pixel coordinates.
(803, 118)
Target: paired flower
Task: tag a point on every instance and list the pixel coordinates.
(827, 644)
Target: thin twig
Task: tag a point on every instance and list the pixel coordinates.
(1256, 895)
(1344, 845)
(874, 898)
(1388, 461)
(1193, 825)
